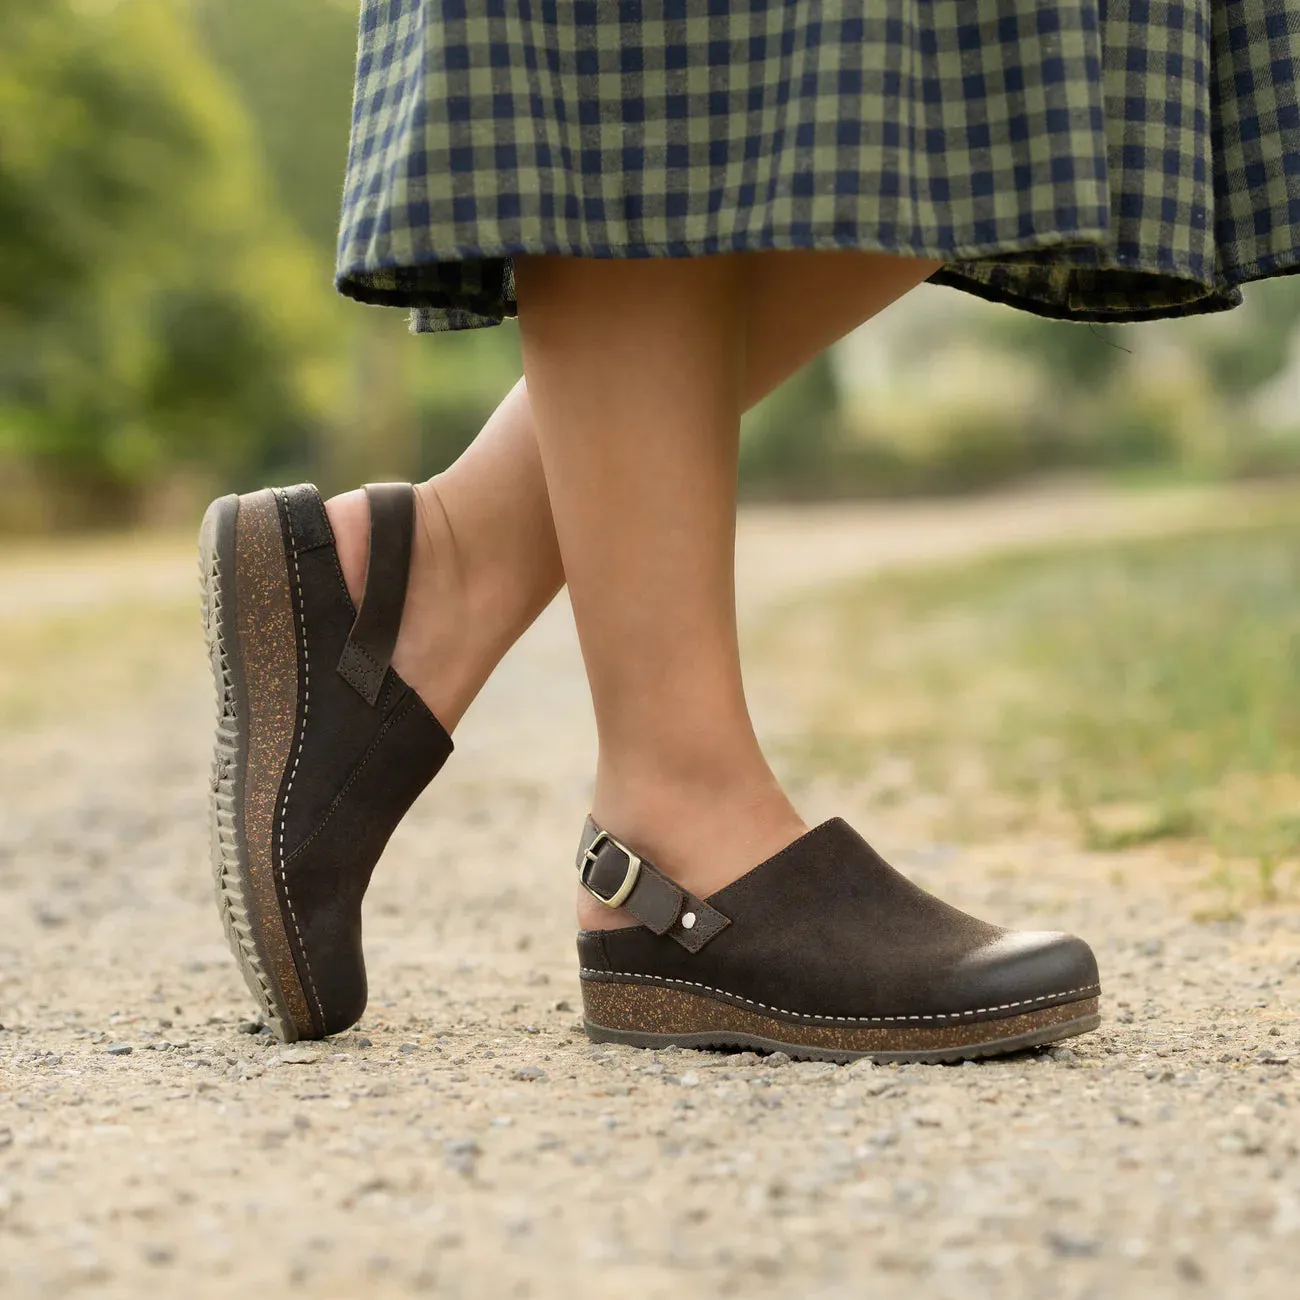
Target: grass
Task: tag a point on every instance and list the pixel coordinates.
(90, 624)
(70, 667)
(1132, 692)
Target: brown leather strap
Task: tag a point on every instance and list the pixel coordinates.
(369, 647)
(611, 870)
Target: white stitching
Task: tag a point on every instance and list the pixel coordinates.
(856, 1020)
(306, 705)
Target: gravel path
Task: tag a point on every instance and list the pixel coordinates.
(466, 1140)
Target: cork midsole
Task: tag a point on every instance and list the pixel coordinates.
(655, 1010)
(269, 654)
(250, 623)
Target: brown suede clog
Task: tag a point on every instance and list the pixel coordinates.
(320, 747)
(822, 951)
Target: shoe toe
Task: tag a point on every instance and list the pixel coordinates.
(1023, 966)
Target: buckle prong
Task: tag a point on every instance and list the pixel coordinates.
(620, 895)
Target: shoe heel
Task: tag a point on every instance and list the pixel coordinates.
(249, 624)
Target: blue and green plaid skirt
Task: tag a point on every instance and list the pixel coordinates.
(1090, 160)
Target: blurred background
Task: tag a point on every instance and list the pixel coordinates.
(170, 173)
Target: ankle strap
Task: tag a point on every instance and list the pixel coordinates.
(615, 875)
(369, 647)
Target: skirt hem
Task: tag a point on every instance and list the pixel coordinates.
(389, 283)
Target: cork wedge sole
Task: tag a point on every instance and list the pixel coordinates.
(249, 623)
(652, 1015)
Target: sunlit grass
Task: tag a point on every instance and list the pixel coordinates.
(81, 665)
(1132, 693)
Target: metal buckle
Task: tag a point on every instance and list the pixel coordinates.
(619, 896)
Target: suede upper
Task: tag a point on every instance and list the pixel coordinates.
(357, 769)
(826, 928)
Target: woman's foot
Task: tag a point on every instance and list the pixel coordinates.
(821, 950)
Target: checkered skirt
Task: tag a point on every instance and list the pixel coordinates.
(1090, 160)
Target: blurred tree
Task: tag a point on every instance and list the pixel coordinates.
(292, 62)
(415, 403)
(1081, 356)
(155, 311)
(793, 443)
(1242, 360)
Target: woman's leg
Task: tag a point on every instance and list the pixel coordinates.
(486, 561)
(636, 377)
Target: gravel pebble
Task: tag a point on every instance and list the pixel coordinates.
(298, 1054)
(1071, 1247)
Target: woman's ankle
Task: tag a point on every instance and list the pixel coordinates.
(435, 654)
(482, 568)
(704, 839)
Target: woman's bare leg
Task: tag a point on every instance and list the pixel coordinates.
(486, 561)
(636, 376)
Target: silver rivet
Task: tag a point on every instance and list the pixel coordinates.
(688, 921)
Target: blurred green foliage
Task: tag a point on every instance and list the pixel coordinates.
(156, 308)
(292, 62)
(1167, 399)
(1136, 691)
(170, 177)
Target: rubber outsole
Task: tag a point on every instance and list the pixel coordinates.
(242, 874)
(799, 1052)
